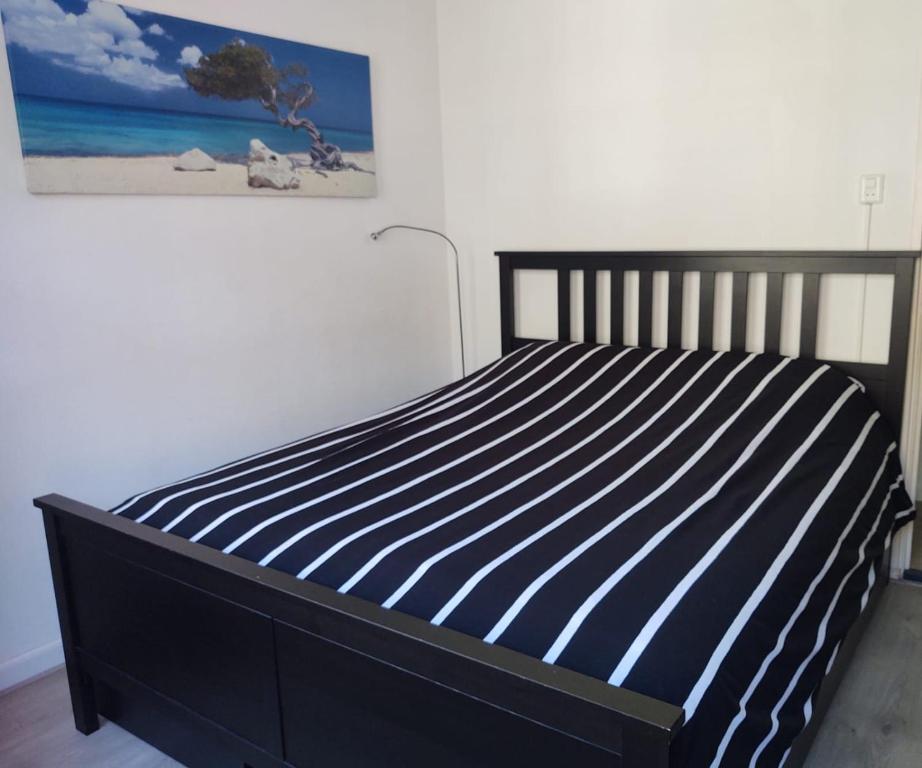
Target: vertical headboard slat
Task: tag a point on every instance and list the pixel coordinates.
(674, 335)
(617, 306)
(589, 308)
(506, 303)
(738, 311)
(774, 301)
(563, 304)
(706, 311)
(645, 309)
(809, 314)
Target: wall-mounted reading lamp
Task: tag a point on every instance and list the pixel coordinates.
(376, 235)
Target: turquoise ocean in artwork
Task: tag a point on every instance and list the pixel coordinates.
(56, 127)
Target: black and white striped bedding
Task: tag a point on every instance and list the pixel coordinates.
(698, 526)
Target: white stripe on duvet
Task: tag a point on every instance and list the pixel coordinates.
(421, 570)
(408, 406)
(808, 706)
(824, 624)
(768, 579)
(591, 602)
(801, 607)
(316, 478)
(322, 558)
(292, 540)
(472, 582)
(655, 622)
(872, 579)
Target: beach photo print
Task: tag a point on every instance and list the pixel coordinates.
(115, 100)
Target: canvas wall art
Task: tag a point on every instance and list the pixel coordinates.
(112, 99)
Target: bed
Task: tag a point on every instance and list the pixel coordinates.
(585, 554)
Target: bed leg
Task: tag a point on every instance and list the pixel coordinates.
(83, 702)
(82, 696)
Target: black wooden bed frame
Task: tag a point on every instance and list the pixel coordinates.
(220, 662)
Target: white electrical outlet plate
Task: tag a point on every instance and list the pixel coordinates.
(871, 190)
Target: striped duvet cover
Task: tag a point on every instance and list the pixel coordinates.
(701, 527)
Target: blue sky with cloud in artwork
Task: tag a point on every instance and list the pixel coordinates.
(100, 52)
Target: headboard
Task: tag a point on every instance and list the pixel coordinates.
(885, 382)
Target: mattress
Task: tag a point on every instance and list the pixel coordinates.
(702, 527)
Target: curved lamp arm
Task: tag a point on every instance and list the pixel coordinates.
(376, 235)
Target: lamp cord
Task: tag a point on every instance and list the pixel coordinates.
(380, 232)
(864, 289)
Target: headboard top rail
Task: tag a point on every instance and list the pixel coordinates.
(820, 262)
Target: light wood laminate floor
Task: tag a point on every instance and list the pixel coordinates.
(875, 722)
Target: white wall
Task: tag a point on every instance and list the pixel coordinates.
(615, 124)
(145, 338)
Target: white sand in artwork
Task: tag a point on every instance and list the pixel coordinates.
(156, 176)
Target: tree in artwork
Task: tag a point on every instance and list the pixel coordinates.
(242, 72)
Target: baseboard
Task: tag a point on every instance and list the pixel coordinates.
(35, 663)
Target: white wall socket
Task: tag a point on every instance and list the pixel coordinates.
(871, 190)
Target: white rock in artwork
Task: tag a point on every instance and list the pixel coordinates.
(195, 160)
(266, 168)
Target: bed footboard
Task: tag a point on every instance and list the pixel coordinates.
(219, 662)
